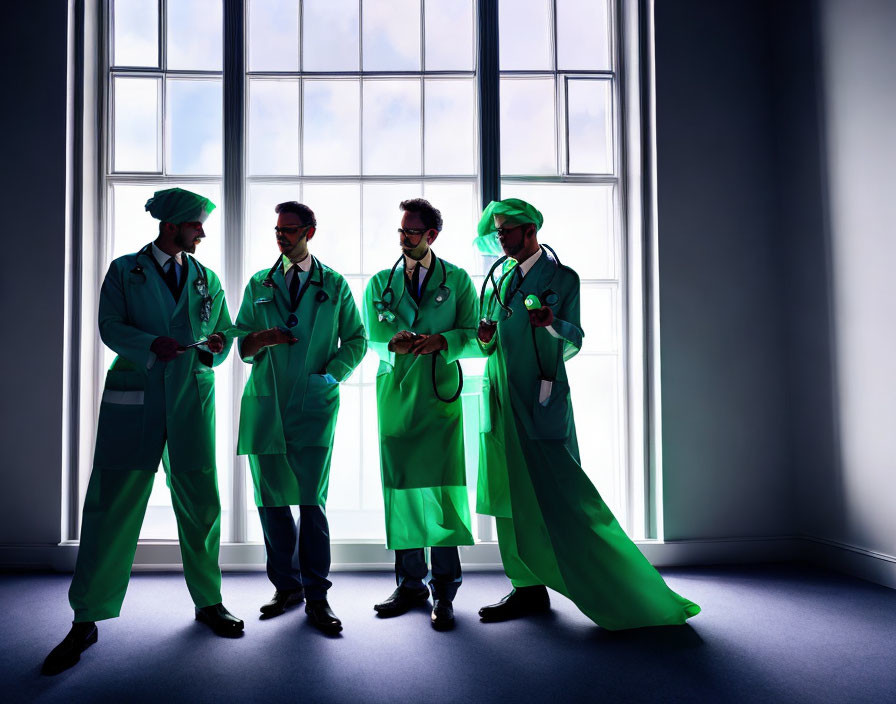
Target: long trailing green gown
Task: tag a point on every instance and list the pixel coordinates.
(553, 526)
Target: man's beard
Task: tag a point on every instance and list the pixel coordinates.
(183, 243)
(511, 250)
(418, 252)
(299, 250)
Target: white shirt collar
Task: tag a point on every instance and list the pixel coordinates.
(530, 262)
(425, 263)
(304, 265)
(163, 258)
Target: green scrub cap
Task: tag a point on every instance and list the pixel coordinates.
(514, 211)
(175, 205)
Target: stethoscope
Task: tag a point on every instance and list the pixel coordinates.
(548, 297)
(387, 298)
(321, 296)
(385, 314)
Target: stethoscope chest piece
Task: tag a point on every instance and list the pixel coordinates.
(443, 294)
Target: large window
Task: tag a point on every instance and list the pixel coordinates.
(351, 106)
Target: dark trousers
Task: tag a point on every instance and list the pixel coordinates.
(298, 552)
(411, 570)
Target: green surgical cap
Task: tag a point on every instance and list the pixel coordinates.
(175, 205)
(514, 211)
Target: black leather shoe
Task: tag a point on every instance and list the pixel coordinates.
(282, 601)
(322, 617)
(523, 601)
(400, 602)
(442, 615)
(68, 652)
(220, 620)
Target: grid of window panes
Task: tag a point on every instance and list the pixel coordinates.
(350, 107)
(164, 129)
(558, 91)
(353, 107)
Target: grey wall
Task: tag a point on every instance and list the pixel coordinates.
(726, 452)
(849, 496)
(32, 183)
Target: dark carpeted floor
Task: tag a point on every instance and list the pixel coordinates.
(767, 634)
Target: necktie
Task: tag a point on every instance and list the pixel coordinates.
(294, 287)
(415, 282)
(171, 279)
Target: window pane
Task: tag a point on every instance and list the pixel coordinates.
(381, 219)
(260, 251)
(136, 33)
(458, 205)
(583, 35)
(449, 35)
(449, 141)
(594, 384)
(598, 317)
(273, 127)
(194, 35)
(194, 123)
(392, 127)
(331, 130)
(578, 223)
(528, 140)
(525, 27)
(273, 35)
(337, 208)
(330, 35)
(136, 129)
(345, 469)
(588, 123)
(371, 483)
(391, 35)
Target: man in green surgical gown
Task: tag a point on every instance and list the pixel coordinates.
(554, 530)
(158, 404)
(304, 337)
(421, 317)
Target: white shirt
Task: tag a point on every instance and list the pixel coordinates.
(291, 268)
(163, 258)
(530, 262)
(424, 263)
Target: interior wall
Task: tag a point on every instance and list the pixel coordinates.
(848, 496)
(32, 270)
(725, 446)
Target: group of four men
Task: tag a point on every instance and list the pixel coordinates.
(165, 316)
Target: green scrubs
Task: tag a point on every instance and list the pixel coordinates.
(290, 403)
(553, 527)
(421, 437)
(152, 411)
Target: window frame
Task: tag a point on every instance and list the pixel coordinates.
(632, 56)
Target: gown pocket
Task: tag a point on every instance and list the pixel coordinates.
(119, 438)
(551, 412)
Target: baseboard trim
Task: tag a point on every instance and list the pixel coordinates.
(163, 555)
(870, 565)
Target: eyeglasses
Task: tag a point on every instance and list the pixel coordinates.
(291, 230)
(412, 234)
(504, 230)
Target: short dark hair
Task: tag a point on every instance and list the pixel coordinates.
(431, 217)
(306, 215)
